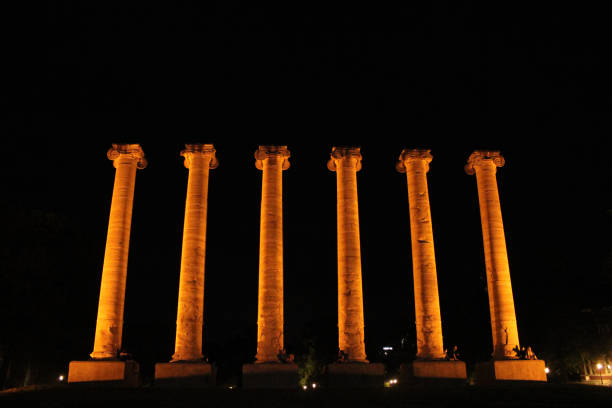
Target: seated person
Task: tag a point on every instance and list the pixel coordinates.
(284, 357)
(454, 354)
(529, 354)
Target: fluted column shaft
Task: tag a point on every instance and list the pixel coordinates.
(190, 314)
(272, 160)
(426, 298)
(501, 302)
(109, 325)
(351, 337)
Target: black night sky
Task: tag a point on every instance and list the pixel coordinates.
(530, 81)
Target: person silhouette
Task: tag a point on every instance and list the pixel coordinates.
(529, 354)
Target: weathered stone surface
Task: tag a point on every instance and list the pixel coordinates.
(199, 158)
(116, 373)
(185, 374)
(346, 162)
(351, 375)
(272, 160)
(270, 375)
(433, 369)
(501, 302)
(415, 163)
(109, 326)
(510, 370)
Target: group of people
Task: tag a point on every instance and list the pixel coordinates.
(342, 356)
(451, 354)
(524, 353)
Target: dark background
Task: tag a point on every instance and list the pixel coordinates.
(531, 81)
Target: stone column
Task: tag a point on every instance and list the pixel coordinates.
(415, 163)
(346, 161)
(272, 160)
(109, 326)
(501, 304)
(199, 158)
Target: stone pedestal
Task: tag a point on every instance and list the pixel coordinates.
(510, 370)
(354, 375)
(185, 374)
(270, 375)
(115, 373)
(435, 370)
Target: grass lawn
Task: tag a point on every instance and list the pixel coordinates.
(499, 395)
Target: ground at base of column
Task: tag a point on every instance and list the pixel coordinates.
(108, 372)
(351, 375)
(185, 374)
(270, 375)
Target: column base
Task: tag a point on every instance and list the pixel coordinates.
(354, 375)
(270, 375)
(185, 374)
(111, 372)
(509, 370)
(433, 370)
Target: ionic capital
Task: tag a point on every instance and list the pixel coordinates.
(266, 152)
(134, 151)
(202, 150)
(339, 153)
(413, 155)
(483, 158)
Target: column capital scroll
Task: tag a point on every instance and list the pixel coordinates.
(265, 152)
(200, 149)
(132, 150)
(339, 153)
(411, 155)
(482, 157)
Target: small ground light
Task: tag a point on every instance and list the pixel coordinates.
(391, 382)
(599, 366)
(305, 387)
(547, 370)
(608, 366)
(314, 385)
(61, 377)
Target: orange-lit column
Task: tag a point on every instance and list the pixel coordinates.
(199, 159)
(272, 160)
(415, 163)
(501, 303)
(346, 161)
(109, 326)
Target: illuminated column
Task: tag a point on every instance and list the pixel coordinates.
(272, 160)
(346, 161)
(501, 303)
(199, 158)
(415, 163)
(109, 326)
